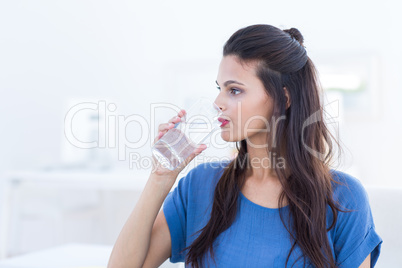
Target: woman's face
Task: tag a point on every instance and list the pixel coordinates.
(244, 101)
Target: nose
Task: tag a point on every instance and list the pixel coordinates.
(219, 104)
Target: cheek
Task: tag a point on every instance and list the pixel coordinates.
(255, 124)
(254, 119)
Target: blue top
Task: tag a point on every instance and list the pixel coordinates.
(257, 237)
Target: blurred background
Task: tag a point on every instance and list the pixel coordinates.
(85, 84)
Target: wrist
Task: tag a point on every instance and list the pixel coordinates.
(163, 181)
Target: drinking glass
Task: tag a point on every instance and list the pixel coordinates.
(199, 122)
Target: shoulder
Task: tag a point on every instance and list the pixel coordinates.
(204, 175)
(209, 168)
(212, 167)
(354, 235)
(342, 177)
(347, 189)
(351, 196)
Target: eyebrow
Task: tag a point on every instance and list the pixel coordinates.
(230, 82)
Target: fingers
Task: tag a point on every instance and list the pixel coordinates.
(179, 116)
(182, 113)
(173, 120)
(163, 128)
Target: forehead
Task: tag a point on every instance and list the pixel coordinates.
(231, 68)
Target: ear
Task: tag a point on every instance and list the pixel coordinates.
(288, 102)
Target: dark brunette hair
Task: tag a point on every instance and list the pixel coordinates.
(282, 62)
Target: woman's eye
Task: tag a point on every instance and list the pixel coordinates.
(235, 89)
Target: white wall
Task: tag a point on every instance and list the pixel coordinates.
(135, 53)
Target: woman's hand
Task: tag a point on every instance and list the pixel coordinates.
(157, 168)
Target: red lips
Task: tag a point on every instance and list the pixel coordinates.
(223, 121)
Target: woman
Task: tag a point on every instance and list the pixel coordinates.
(278, 203)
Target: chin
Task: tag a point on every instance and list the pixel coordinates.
(228, 136)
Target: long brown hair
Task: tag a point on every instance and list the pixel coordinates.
(304, 142)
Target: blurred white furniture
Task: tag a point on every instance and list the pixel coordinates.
(13, 202)
(386, 206)
(68, 256)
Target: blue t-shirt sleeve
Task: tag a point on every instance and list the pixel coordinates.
(355, 234)
(175, 211)
(186, 207)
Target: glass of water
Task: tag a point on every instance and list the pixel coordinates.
(195, 127)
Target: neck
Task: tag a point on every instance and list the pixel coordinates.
(263, 163)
